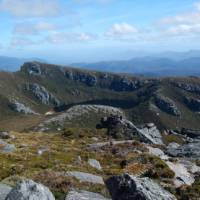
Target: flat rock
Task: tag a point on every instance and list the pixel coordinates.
(84, 195)
(157, 152)
(29, 190)
(4, 190)
(86, 177)
(183, 177)
(95, 164)
(127, 187)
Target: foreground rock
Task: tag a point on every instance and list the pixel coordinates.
(121, 128)
(190, 150)
(4, 191)
(84, 195)
(128, 187)
(29, 190)
(86, 177)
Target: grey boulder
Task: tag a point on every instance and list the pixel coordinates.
(29, 190)
(127, 187)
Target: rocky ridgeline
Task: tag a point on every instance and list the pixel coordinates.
(115, 83)
(87, 78)
(118, 127)
(167, 105)
(91, 79)
(42, 94)
(33, 68)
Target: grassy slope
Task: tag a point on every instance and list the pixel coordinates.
(136, 104)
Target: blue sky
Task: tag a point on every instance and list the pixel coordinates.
(66, 31)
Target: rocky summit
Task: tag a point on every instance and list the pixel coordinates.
(74, 134)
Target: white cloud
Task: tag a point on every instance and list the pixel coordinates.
(184, 29)
(30, 8)
(121, 31)
(20, 42)
(184, 24)
(63, 37)
(33, 28)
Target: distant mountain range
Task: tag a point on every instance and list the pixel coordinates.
(163, 64)
(13, 63)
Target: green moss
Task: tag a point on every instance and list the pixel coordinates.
(189, 192)
(159, 168)
(172, 138)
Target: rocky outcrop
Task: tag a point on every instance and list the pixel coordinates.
(190, 150)
(84, 195)
(29, 190)
(124, 84)
(121, 128)
(81, 111)
(42, 94)
(127, 187)
(167, 105)
(189, 87)
(86, 78)
(21, 108)
(193, 103)
(4, 191)
(32, 68)
(192, 133)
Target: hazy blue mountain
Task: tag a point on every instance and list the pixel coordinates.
(13, 64)
(152, 66)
